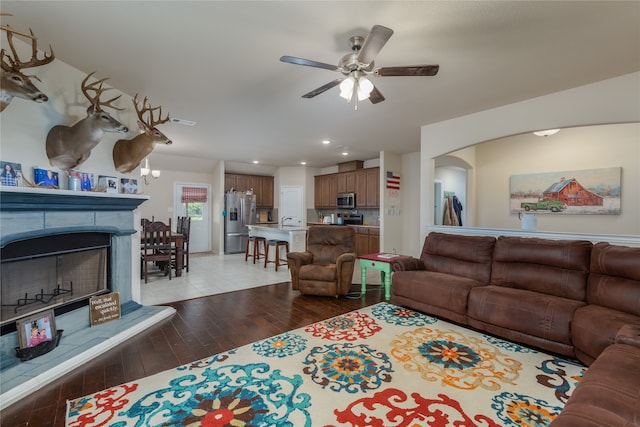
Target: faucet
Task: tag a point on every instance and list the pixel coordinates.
(284, 218)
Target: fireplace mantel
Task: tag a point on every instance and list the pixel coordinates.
(29, 199)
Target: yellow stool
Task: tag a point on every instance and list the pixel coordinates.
(255, 251)
(277, 260)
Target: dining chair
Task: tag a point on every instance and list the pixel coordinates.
(156, 248)
(184, 228)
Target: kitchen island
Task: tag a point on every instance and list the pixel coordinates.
(294, 234)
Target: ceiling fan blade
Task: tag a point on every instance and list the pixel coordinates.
(375, 41)
(322, 89)
(375, 96)
(308, 63)
(412, 70)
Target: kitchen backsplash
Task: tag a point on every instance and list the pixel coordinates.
(370, 216)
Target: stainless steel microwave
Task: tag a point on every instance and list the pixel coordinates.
(346, 201)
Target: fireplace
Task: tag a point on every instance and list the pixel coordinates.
(60, 271)
(58, 248)
(85, 243)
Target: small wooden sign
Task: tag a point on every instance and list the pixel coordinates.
(104, 308)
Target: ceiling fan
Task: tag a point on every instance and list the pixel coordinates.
(359, 64)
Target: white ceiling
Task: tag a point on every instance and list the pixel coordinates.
(217, 63)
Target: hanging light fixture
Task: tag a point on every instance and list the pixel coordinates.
(146, 171)
(356, 83)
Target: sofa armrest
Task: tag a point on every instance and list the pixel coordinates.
(295, 260)
(345, 263)
(406, 264)
(629, 334)
(345, 258)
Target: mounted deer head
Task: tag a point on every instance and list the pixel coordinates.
(70, 146)
(128, 153)
(13, 82)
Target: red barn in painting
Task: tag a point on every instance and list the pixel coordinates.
(572, 193)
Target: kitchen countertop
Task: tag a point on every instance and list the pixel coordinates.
(350, 225)
(275, 226)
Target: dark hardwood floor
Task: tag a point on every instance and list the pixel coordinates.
(200, 328)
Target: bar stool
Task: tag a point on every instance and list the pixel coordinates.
(277, 260)
(255, 241)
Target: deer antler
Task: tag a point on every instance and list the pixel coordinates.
(8, 28)
(13, 63)
(151, 121)
(98, 89)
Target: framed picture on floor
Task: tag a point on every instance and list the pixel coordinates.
(36, 328)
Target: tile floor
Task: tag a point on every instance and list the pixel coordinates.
(216, 274)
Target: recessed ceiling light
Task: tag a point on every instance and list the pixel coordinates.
(326, 142)
(546, 132)
(344, 153)
(303, 163)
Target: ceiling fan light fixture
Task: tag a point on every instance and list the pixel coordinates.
(346, 88)
(364, 88)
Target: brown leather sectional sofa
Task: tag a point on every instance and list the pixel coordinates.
(569, 297)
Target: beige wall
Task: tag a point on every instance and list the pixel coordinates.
(610, 101)
(571, 149)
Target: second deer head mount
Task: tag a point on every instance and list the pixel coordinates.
(14, 82)
(128, 153)
(70, 146)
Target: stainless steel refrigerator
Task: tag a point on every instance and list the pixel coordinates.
(240, 211)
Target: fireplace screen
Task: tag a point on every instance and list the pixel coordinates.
(45, 273)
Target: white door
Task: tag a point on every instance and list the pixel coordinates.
(200, 213)
(291, 204)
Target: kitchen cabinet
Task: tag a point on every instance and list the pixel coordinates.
(262, 187)
(346, 182)
(367, 183)
(367, 240)
(326, 191)
(363, 182)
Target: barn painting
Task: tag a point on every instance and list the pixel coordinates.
(590, 191)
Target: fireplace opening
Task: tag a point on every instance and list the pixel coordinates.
(55, 271)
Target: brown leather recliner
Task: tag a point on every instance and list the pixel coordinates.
(326, 267)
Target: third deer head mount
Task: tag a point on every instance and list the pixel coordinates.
(70, 146)
(14, 82)
(128, 153)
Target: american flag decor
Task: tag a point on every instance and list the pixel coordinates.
(393, 181)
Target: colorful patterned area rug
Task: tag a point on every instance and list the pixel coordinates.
(381, 366)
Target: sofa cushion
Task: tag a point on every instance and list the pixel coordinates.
(552, 267)
(534, 314)
(595, 327)
(614, 281)
(440, 294)
(465, 256)
(609, 393)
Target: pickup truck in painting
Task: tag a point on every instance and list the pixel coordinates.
(544, 204)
